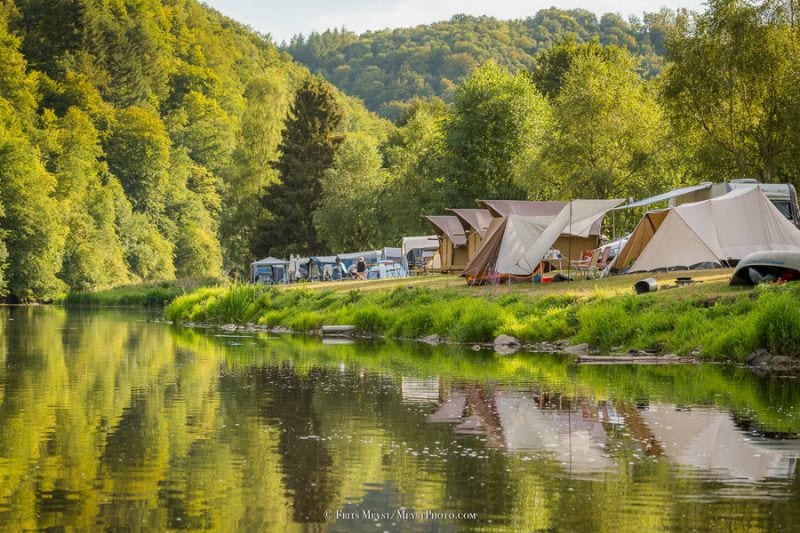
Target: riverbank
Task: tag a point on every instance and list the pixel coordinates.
(151, 295)
(708, 319)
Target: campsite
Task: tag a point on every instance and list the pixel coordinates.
(431, 266)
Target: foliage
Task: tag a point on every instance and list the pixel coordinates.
(136, 138)
(389, 68)
(154, 295)
(734, 89)
(307, 150)
(498, 118)
(608, 135)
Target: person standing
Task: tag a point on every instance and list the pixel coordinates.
(361, 269)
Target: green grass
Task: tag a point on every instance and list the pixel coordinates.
(158, 294)
(719, 321)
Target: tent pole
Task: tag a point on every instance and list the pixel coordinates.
(613, 225)
(569, 245)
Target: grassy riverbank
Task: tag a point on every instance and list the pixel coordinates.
(718, 321)
(140, 295)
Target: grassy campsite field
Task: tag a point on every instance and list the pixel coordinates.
(707, 319)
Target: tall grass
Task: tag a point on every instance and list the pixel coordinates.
(158, 294)
(726, 326)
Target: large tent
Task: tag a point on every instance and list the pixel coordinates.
(570, 246)
(719, 231)
(475, 223)
(452, 242)
(514, 245)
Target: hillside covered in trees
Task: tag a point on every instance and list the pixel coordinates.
(144, 140)
(135, 137)
(389, 67)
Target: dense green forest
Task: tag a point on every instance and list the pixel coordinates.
(143, 140)
(388, 68)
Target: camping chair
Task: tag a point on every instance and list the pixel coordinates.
(603, 265)
(587, 266)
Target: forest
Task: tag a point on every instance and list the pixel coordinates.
(388, 68)
(150, 140)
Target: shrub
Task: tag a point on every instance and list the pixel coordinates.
(777, 322)
(371, 319)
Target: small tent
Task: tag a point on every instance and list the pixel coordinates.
(475, 222)
(324, 268)
(514, 245)
(720, 231)
(270, 270)
(371, 257)
(419, 251)
(452, 242)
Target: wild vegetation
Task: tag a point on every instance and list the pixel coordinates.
(712, 319)
(387, 68)
(153, 295)
(143, 141)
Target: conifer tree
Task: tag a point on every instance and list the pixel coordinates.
(307, 149)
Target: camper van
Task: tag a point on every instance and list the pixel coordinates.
(782, 195)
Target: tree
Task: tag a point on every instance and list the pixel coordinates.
(138, 154)
(735, 87)
(350, 216)
(307, 150)
(93, 255)
(30, 224)
(553, 64)
(496, 117)
(606, 140)
(266, 106)
(416, 166)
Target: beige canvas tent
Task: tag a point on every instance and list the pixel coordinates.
(717, 232)
(638, 240)
(452, 242)
(514, 245)
(475, 223)
(570, 246)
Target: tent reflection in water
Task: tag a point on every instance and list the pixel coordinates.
(515, 245)
(710, 233)
(707, 439)
(572, 435)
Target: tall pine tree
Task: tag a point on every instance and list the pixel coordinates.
(307, 149)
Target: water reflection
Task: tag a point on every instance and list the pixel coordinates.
(107, 420)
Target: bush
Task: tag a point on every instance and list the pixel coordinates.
(371, 319)
(605, 324)
(777, 322)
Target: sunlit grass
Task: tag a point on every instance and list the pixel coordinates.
(710, 317)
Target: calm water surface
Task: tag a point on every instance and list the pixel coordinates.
(110, 420)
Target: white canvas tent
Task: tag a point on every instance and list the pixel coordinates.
(516, 245)
(718, 231)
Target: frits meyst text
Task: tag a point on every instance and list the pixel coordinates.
(400, 514)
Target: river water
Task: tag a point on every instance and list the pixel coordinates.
(108, 419)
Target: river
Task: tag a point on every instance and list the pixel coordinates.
(109, 419)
